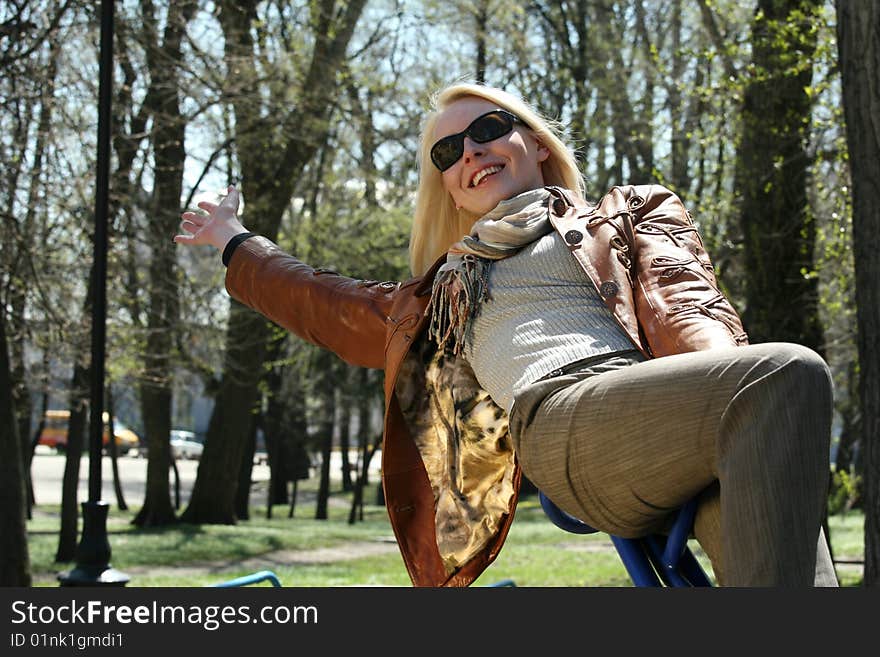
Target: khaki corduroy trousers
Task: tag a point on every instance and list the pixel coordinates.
(747, 429)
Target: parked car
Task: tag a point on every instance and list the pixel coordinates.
(185, 445)
(54, 432)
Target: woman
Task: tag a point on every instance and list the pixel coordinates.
(588, 345)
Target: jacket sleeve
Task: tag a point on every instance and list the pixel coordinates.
(678, 301)
(345, 315)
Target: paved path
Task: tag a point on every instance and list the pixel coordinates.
(48, 473)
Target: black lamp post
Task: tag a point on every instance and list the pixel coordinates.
(93, 552)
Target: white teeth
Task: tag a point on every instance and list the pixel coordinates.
(483, 173)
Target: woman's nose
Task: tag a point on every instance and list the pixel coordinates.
(472, 149)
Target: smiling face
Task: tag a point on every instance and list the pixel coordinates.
(489, 173)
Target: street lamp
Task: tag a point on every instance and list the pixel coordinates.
(93, 552)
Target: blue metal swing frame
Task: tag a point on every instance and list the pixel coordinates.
(253, 578)
(651, 561)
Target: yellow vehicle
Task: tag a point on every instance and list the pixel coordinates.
(54, 432)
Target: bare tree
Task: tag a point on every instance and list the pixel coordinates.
(41, 75)
(272, 155)
(167, 136)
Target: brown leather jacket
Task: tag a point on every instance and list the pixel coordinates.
(638, 246)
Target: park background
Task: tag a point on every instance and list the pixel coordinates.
(760, 115)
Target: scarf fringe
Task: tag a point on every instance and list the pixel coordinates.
(456, 300)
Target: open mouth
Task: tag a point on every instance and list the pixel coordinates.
(482, 174)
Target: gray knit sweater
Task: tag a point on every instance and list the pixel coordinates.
(542, 315)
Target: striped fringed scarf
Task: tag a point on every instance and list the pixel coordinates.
(461, 284)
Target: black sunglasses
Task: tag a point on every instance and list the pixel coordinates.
(485, 128)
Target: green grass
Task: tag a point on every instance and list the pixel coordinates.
(205, 554)
(848, 543)
(536, 552)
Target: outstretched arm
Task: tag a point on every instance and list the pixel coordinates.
(345, 315)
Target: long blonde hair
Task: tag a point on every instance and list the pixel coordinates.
(437, 223)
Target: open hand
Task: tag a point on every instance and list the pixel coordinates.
(216, 228)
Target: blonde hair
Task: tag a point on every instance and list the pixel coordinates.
(437, 223)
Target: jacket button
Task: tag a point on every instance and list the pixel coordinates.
(608, 289)
(559, 207)
(635, 202)
(574, 237)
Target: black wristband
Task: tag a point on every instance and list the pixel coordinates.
(232, 245)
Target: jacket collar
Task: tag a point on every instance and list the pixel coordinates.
(427, 282)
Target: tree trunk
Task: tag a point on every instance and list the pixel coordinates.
(272, 156)
(157, 509)
(76, 424)
(76, 433)
(575, 50)
(14, 560)
(176, 473)
(356, 512)
(781, 290)
(272, 423)
(20, 339)
(366, 446)
(583, 63)
(245, 472)
(325, 435)
(293, 497)
(684, 120)
(365, 402)
(481, 24)
(858, 40)
(346, 399)
(35, 437)
(295, 435)
(114, 451)
(163, 313)
(850, 425)
(214, 492)
(633, 141)
(325, 391)
(21, 391)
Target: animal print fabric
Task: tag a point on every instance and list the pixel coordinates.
(463, 439)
